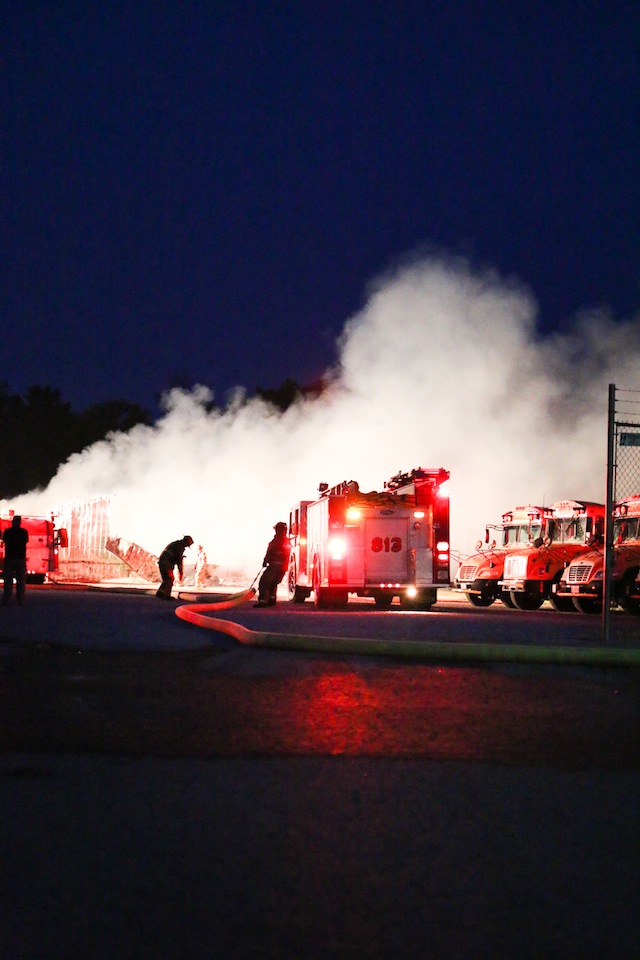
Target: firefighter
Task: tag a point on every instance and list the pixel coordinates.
(276, 561)
(172, 556)
(15, 561)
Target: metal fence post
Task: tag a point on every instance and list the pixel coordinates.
(608, 518)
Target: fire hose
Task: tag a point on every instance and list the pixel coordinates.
(200, 614)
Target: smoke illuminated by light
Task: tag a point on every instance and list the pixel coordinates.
(442, 368)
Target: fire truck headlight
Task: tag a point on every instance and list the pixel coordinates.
(599, 575)
(336, 548)
(354, 514)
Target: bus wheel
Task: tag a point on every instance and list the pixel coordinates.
(562, 604)
(483, 599)
(383, 599)
(626, 601)
(523, 601)
(587, 605)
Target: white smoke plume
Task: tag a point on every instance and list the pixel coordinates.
(443, 367)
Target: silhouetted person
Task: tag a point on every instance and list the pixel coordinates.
(276, 560)
(172, 556)
(15, 540)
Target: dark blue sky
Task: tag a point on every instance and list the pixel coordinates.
(203, 190)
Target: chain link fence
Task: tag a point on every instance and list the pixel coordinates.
(627, 444)
(623, 481)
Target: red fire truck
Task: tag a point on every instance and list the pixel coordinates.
(45, 539)
(380, 545)
(582, 581)
(478, 575)
(531, 574)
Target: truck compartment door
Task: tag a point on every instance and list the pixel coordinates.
(386, 555)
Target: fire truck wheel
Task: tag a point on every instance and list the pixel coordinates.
(423, 601)
(506, 599)
(338, 598)
(296, 594)
(523, 601)
(383, 599)
(322, 598)
(587, 605)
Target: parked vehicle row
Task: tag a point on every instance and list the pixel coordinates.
(557, 554)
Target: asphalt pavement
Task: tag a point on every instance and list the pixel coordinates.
(284, 856)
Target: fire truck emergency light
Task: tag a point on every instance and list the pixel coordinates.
(336, 548)
(418, 514)
(353, 514)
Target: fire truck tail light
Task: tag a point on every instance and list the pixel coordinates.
(336, 548)
(442, 545)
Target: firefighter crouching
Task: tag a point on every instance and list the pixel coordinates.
(172, 556)
(276, 561)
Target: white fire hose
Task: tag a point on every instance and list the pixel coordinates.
(200, 614)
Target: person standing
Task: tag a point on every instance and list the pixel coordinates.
(201, 568)
(172, 556)
(15, 540)
(276, 561)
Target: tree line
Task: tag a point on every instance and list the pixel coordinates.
(40, 430)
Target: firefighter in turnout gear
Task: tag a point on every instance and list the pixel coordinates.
(276, 561)
(172, 556)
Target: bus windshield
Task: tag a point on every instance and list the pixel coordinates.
(625, 530)
(572, 530)
(521, 533)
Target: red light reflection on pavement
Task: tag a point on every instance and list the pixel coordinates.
(396, 712)
(338, 713)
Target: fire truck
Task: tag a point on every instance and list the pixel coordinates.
(381, 545)
(45, 539)
(582, 581)
(478, 575)
(531, 574)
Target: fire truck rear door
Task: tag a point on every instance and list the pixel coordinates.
(385, 550)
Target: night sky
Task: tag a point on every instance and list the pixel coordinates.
(202, 192)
